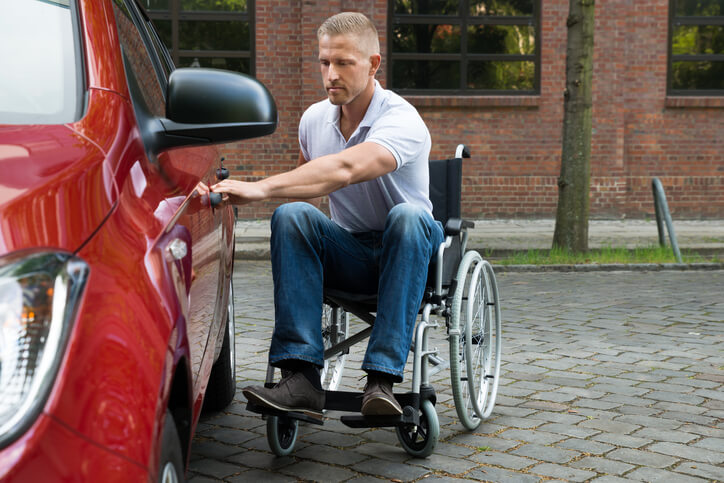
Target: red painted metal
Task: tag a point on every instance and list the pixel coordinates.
(145, 318)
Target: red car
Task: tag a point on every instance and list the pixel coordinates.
(116, 307)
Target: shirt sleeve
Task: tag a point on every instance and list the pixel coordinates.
(303, 135)
(403, 133)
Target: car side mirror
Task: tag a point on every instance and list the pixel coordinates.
(208, 106)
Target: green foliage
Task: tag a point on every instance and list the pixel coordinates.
(214, 35)
(501, 7)
(501, 39)
(501, 75)
(199, 5)
(606, 255)
(214, 5)
(699, 8)
(443, 38)
(477, 7)
(428, 7)
(698, 39)
(697, 75)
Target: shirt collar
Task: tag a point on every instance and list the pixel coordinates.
(372, 109)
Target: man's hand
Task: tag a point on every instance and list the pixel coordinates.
(240, 192)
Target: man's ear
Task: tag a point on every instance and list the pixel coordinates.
(375, 60)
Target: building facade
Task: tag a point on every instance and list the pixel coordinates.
(491, 74)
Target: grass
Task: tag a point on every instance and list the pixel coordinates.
(607, 255)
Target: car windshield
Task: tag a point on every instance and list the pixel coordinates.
(39, 82)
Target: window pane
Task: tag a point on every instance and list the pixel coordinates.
(139, 60)
(426, 38)
(698, 39)
(501, 39)
(504, 75)
(698, 75)
(427, 7)
(699, 8)
(163, 27)
(161, 50)
(238, 64)
(501, 7)
(213, 5)
(156, 4)
(426, 74)
(38, 83)
(214, 35)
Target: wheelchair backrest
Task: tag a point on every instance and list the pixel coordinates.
(446, 176)
(446, 188)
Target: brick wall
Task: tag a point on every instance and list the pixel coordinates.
(516, 141)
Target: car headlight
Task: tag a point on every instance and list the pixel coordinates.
(39, 294)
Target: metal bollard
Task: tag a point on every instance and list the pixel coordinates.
(662, 211)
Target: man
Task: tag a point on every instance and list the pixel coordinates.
(367, 149)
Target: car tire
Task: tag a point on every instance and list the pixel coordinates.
(222, 381)
(171, 462)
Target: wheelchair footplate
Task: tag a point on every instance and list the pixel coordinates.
(352, 402)
(267, 411)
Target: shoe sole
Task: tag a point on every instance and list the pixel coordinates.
(254, 398)
(380, 407)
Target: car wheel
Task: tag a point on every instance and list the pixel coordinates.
(171, 463)
(222, 381)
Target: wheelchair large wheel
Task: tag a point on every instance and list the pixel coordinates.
(475, 340)
(335, 329)
(486, 335)
(420, 441)
(281, 434)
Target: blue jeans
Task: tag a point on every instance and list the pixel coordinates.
(310, 251)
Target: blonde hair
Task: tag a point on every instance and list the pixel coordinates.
(353, 23)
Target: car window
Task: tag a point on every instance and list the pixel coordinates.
(40, 81)
(139, 60)
(163, 54)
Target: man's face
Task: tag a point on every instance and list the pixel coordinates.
(345, 70)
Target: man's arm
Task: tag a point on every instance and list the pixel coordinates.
(313, 201)
(315, 178)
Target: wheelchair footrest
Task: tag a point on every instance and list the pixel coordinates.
(352, 401)
(409, 416)
(265, 411)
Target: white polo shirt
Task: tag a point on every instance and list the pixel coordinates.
(391, 122)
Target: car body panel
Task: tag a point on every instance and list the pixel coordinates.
(46, 452)
(67, 175)
(92, 190)
(104, 66)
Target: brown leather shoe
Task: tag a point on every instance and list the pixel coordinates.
(293, 393)
(378, 399)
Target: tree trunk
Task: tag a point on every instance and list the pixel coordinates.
(571, 230)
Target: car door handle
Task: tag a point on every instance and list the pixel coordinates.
(222, 173)
(215, 198)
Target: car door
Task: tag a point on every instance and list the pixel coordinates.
(189, 229)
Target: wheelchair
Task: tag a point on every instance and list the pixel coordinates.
(462, 289)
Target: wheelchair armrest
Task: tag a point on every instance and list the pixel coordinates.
(455, 225)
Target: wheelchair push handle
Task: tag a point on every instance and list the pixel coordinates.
(462, 151)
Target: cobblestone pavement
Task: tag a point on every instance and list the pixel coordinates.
(606, 377)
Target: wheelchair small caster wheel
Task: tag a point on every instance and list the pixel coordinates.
(420, 441)
(281, 434)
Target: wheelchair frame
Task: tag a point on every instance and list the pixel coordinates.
(474, 352)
